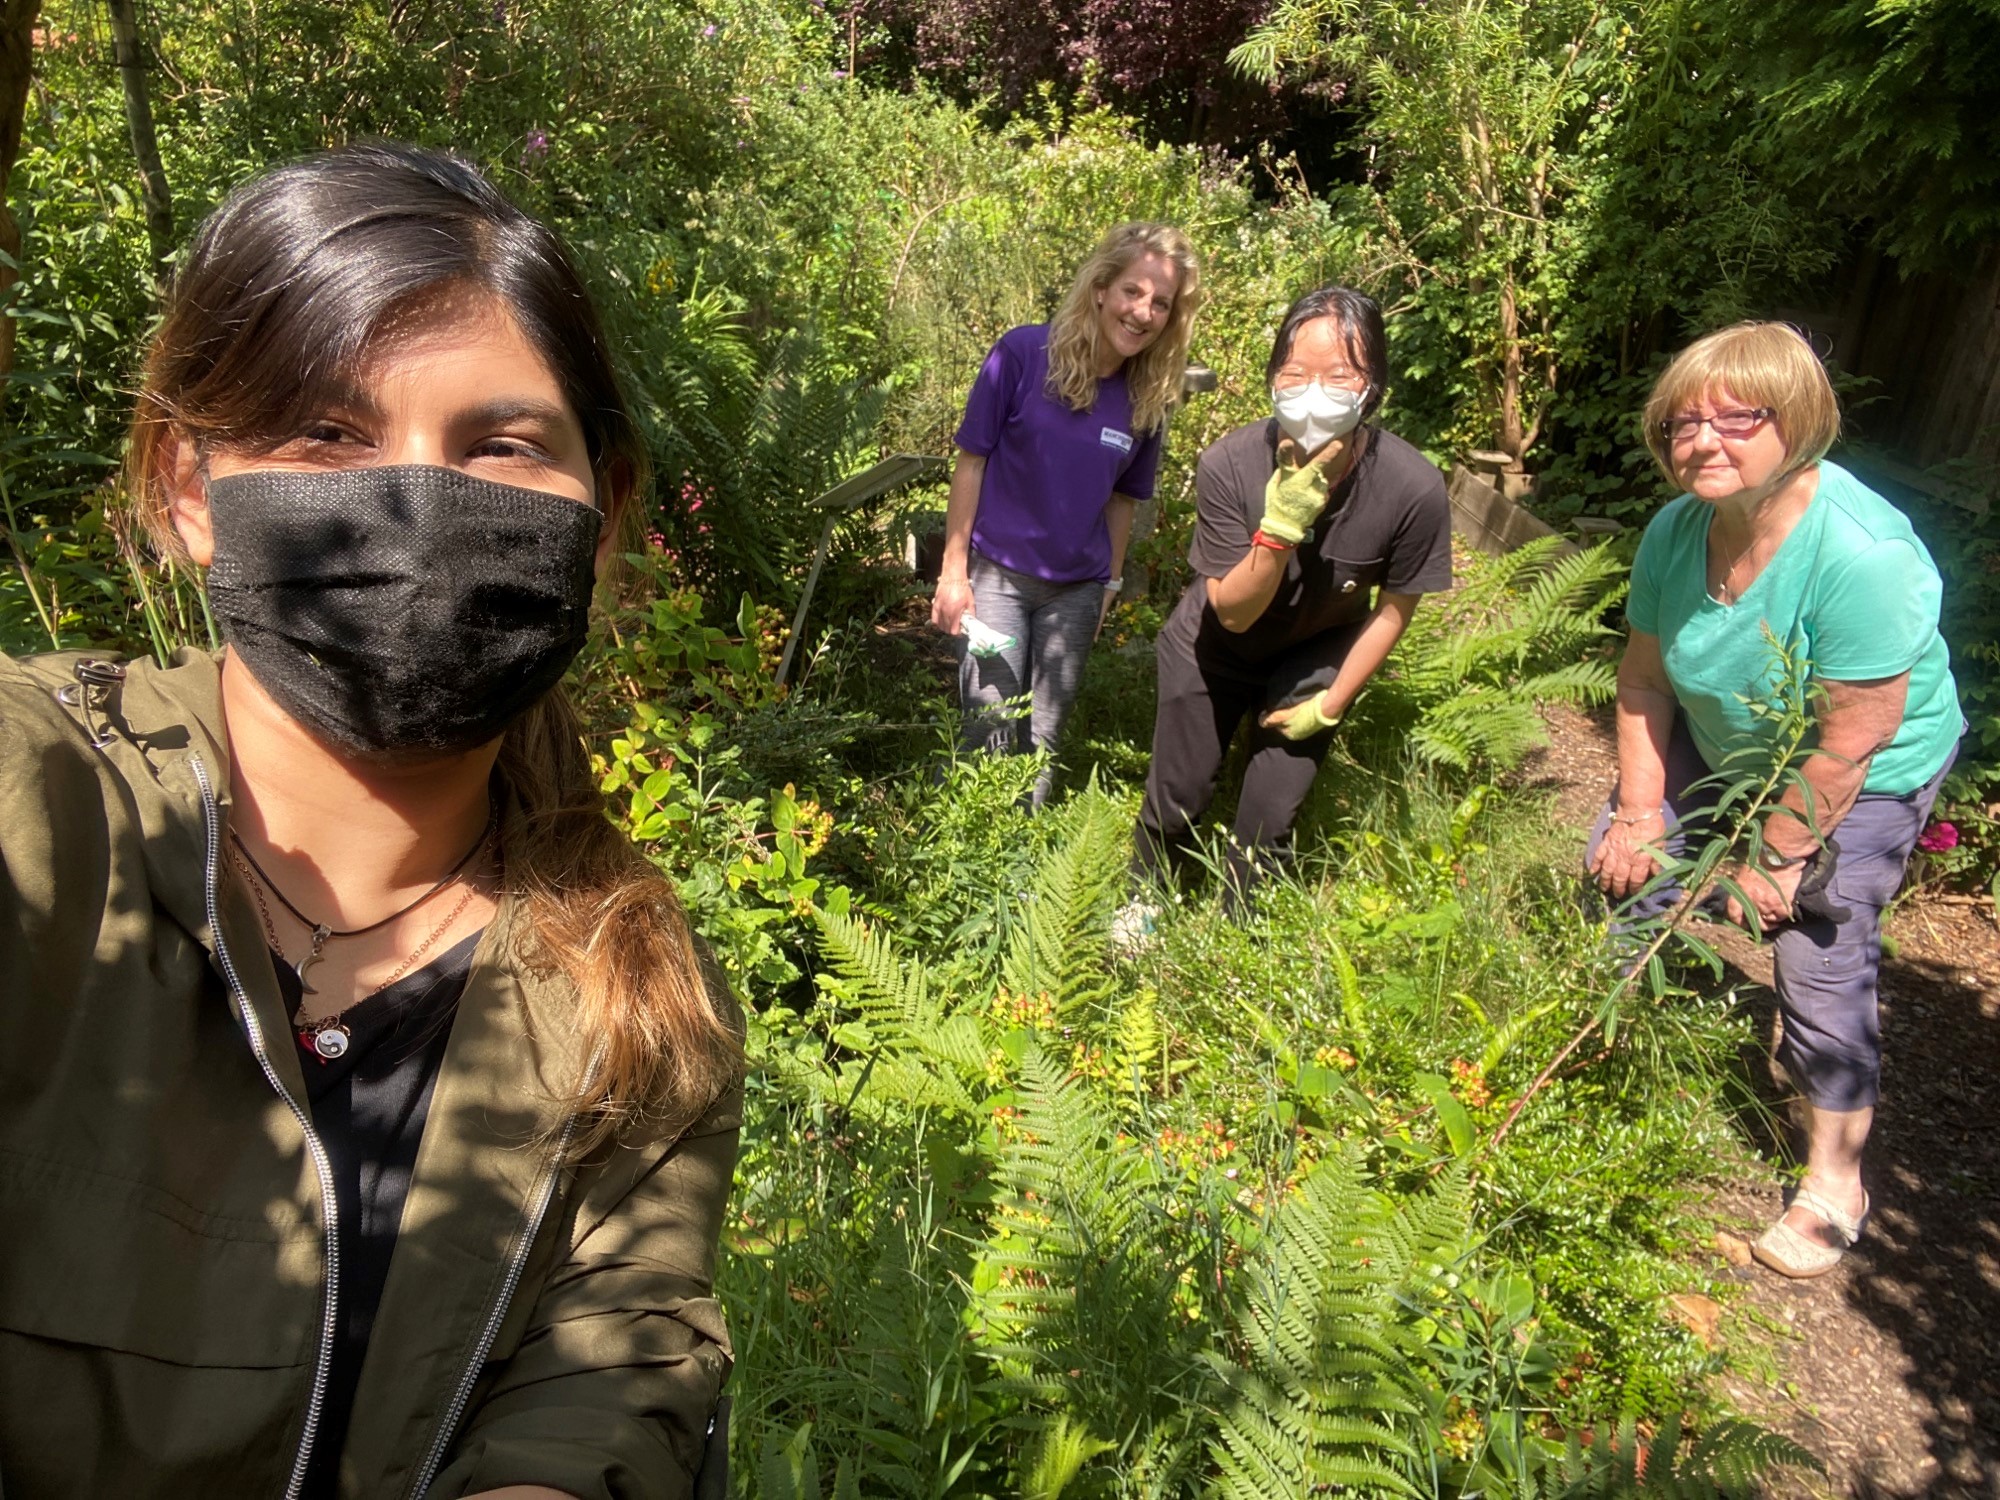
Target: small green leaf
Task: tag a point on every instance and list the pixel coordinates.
(1451, 1114)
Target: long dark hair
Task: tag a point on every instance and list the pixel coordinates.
(269, 321)
(289, 282)
(1359, 317)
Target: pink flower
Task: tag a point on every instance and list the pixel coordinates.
(1939, 837)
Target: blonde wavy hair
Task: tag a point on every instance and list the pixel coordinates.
(1153, 377)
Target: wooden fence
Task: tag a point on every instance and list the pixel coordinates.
(1930, 346)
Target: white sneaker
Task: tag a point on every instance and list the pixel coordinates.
(1134, 927)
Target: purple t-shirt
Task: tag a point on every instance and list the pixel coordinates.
(1050, 471)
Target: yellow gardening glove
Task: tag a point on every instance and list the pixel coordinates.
(1302, 720)
(1293, 498)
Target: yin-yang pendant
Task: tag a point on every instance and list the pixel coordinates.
(330, 1041)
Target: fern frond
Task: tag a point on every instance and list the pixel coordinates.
(897, 1078)
(1478, 726)
(872, 975)
(1058, 941)
(920, 1055)
(1081, 1273)
(1467, 677)
(1327, 1390)
(1138, 1044)
(1727, 1461)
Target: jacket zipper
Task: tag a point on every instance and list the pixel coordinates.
(211, 818)
(517, 1262)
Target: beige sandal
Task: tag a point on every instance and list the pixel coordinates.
(1790, 1253)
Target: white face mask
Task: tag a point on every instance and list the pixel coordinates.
(1313, 415)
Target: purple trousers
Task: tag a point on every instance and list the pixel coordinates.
(1826, 970)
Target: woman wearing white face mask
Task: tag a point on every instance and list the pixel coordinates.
(1315, 536)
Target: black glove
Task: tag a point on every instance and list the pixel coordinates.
(1813, 898)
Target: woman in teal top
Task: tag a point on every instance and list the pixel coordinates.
(1772, 540)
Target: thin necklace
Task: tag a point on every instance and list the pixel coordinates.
(329, 1036)
(322, 932)
(1723, 582)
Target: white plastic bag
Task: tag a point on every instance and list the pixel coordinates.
(982, 639)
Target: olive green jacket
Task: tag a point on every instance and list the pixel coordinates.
(165, 1282)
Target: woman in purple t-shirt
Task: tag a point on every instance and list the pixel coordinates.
(1060, 442)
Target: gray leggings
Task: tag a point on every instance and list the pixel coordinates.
(1053, 625)
(1826, 970)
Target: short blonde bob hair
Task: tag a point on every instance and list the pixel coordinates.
(1153, 377)
(1760, 364)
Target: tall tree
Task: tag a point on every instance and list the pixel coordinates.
(17, 70)
(1887, 109)
(129, 48)
(1487, 120)
(1164, 61)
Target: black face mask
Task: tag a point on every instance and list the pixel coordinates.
(400, 609)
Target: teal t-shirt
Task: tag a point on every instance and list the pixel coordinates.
(1852, 589)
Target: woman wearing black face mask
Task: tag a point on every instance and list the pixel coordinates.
(366, 1107)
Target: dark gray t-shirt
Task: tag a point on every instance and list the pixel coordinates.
(1387, 525)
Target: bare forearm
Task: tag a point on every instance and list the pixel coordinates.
(961, 506)
(1240, 596)
(1859, 719)
(1118, 521)
(1834, 785)
(1645, 725)
(1370, 649)
(1624, 860)
(1645, 716)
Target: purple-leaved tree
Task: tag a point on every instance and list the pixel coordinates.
(1165, 61)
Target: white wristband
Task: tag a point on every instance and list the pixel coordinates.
(1113, 585)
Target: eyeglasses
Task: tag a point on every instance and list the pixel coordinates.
(1724, 424)
(1291, 378)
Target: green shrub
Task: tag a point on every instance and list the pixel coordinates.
(1525, 628)
(1233, 1219)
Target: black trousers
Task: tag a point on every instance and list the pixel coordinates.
(1205, 696)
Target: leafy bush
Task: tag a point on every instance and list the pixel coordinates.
(1014, 1216)
(1967, 550)
(1525, 628)
(668, 699)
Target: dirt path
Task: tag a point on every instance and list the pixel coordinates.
(1889, 1368)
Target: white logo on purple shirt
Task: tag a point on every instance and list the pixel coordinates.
(1111, 437)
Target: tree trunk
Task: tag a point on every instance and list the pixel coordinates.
(17, 65)
(129, 49)
(1513, 430)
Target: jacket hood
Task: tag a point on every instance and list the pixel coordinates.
(155, 724)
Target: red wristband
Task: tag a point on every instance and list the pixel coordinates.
(1258, 539)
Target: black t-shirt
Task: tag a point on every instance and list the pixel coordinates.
(369, 1106)
(1387, 524)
